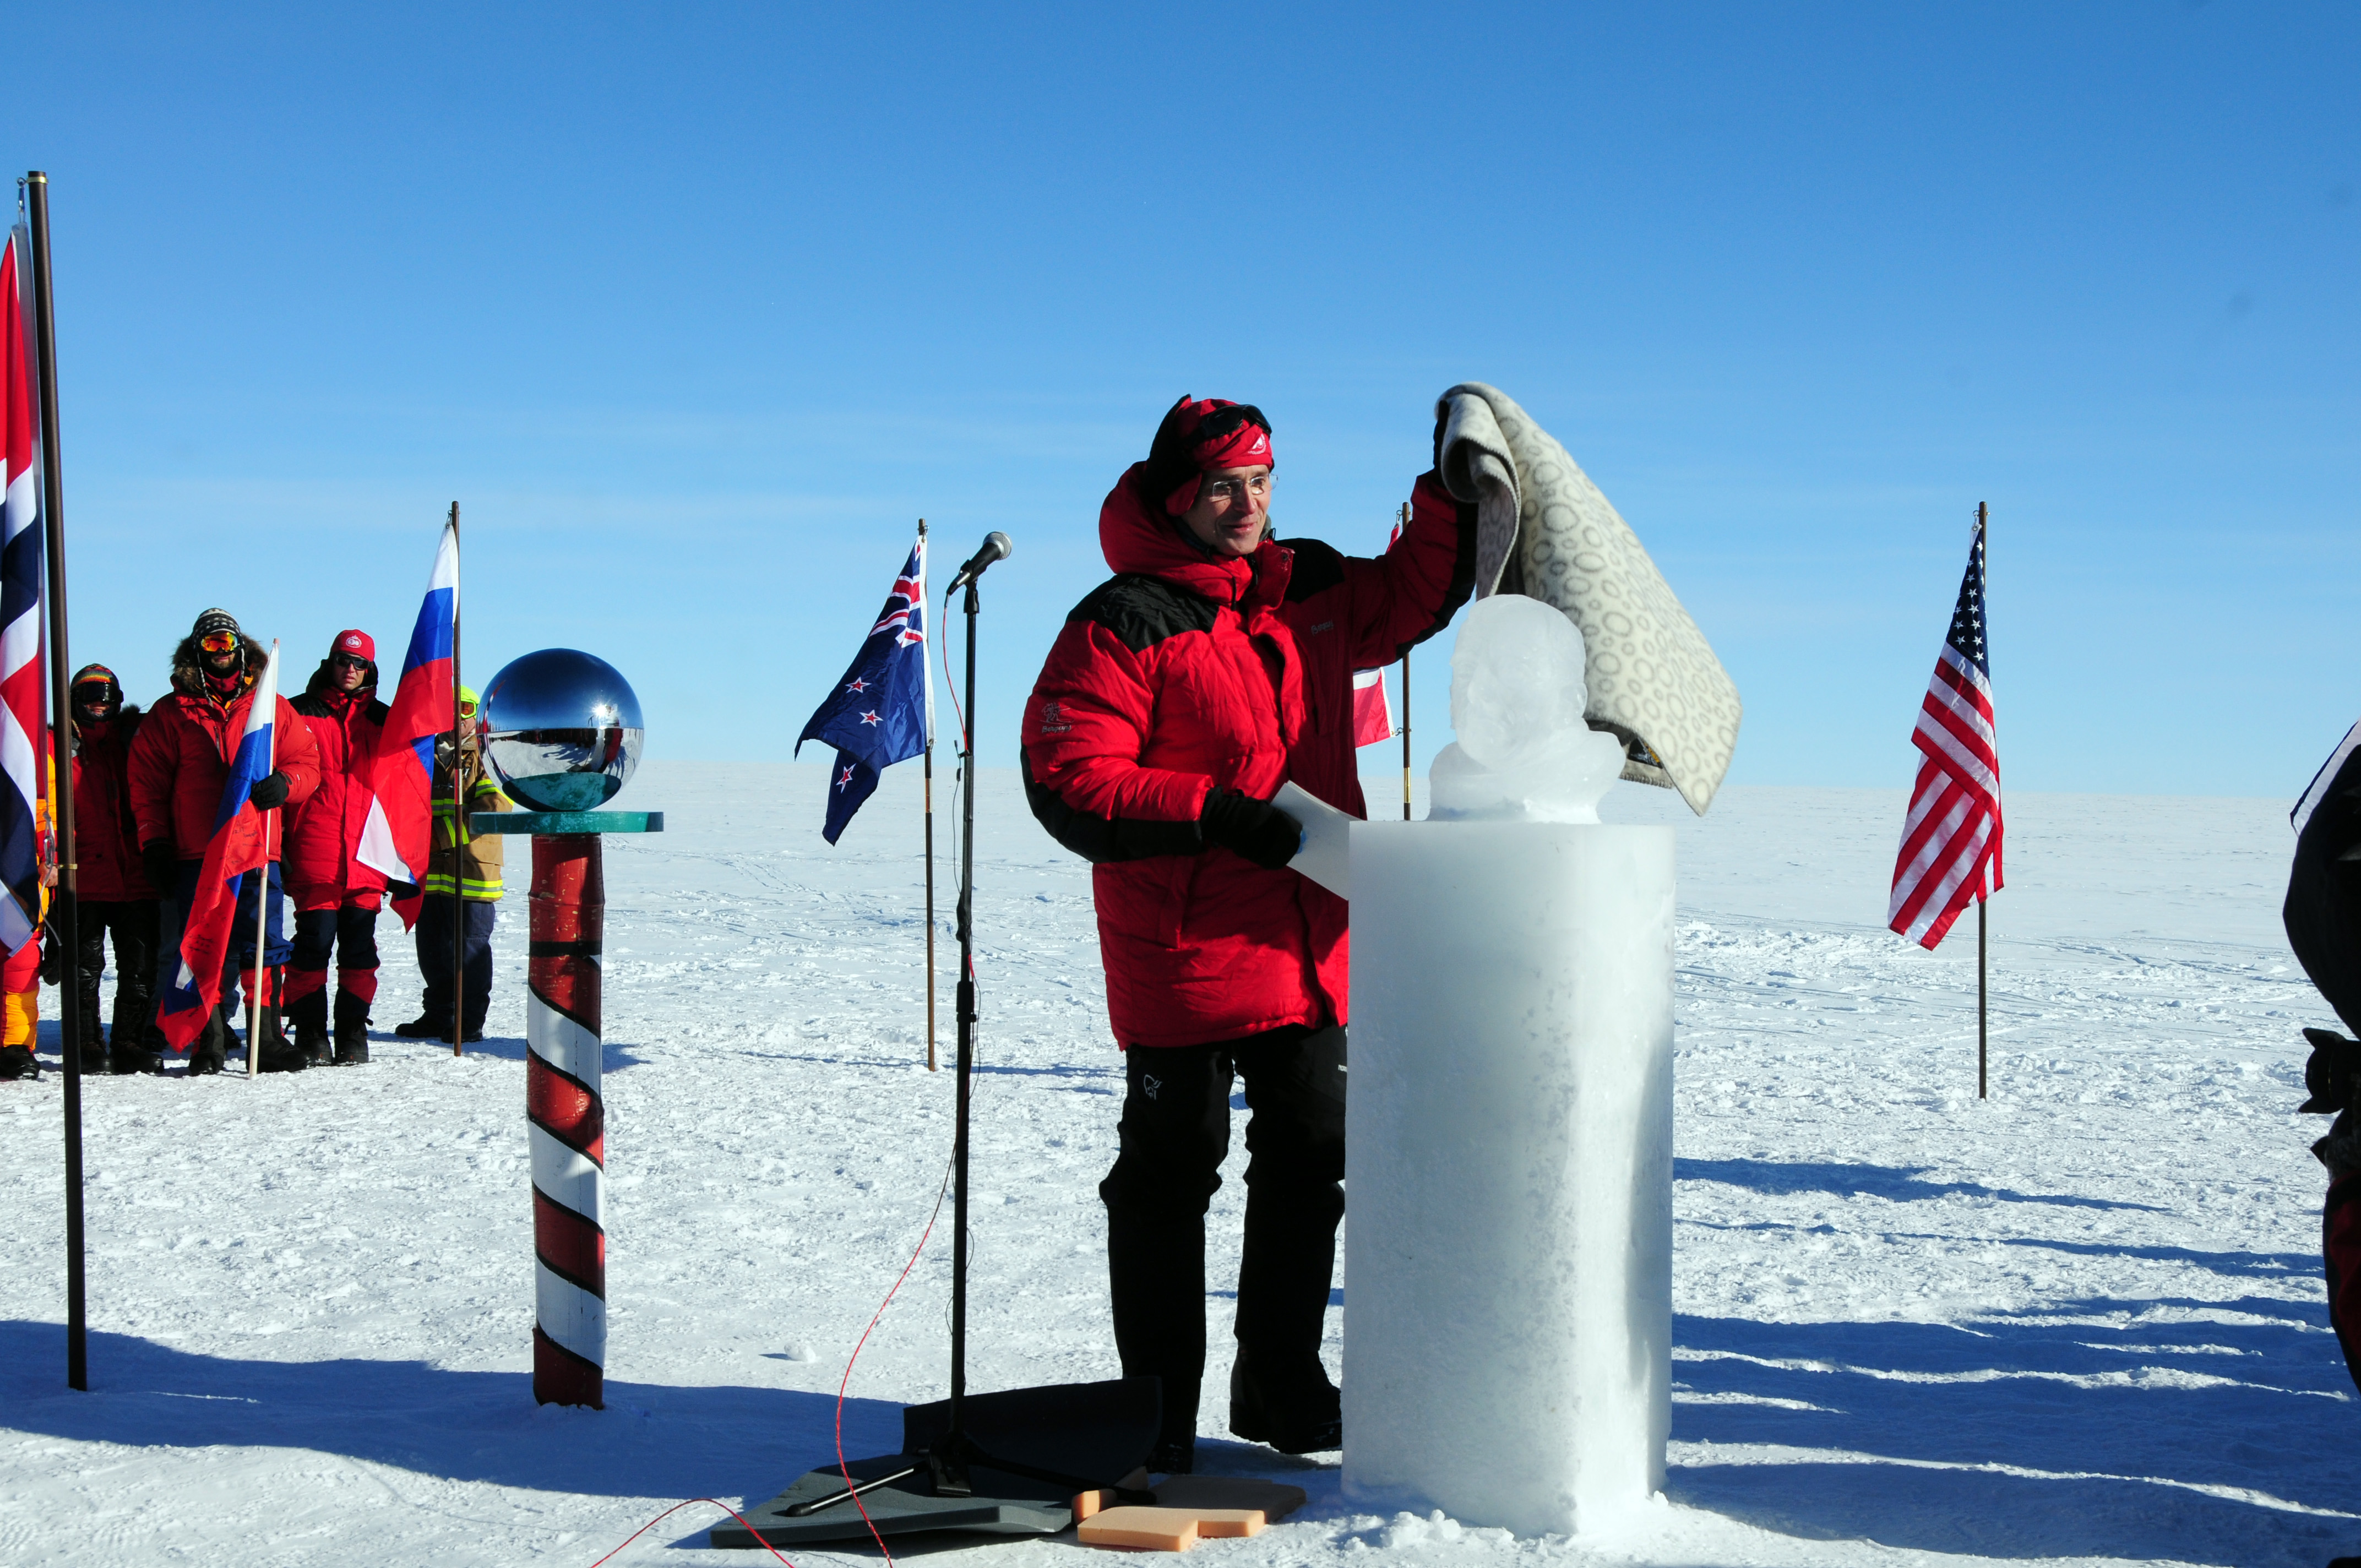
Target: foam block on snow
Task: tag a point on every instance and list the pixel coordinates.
(1141, 1528)
(1272, 1499)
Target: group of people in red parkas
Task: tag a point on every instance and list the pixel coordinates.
(147, 788)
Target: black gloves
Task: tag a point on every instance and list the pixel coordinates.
(1253, 828)
(268, 791)
(53, 959)
(162, 865)
(399, 890)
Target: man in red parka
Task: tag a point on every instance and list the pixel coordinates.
(336, 896)
(114, 898)
(1214, 666)
(180, 761)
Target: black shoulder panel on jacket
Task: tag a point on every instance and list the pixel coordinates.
(310, 704)
(1462, 580)
(1318, 567)
(1096, 838)
(1143, 611)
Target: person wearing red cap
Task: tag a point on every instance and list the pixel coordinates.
(1215, 665)
(336, 896)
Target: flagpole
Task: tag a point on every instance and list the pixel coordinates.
(1986, 897)
(1405, 723)
(64, 913)
(929, 788)
(262, 899)
(458, 817)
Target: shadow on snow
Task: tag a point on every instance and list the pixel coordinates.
(2124, 1420)
(650, 1441)
(1899, 1183)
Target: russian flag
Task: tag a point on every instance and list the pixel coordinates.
(240, 843)
(401, 824)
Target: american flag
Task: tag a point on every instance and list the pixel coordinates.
(1950, 843)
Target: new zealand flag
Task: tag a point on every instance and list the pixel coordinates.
(881, 712)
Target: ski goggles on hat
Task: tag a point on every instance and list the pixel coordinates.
(92, 694)
(218, 641)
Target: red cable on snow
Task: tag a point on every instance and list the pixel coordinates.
(841, 1466)
(717, 1502)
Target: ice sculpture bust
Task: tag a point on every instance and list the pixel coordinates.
(1524, 752)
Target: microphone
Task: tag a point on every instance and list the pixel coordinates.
(996, 547)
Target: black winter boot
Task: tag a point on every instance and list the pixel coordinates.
(310, 1016)
(212, 1049)
(352, 1029)
(18, 1061)
(277, 1053)
(131, 1059)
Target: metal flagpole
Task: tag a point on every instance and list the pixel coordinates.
(262, 903)
(929, 787)
(64, 915)
(458, 819)
(1985, 898)
(1405, 719)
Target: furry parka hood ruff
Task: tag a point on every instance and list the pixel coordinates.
(188, 667)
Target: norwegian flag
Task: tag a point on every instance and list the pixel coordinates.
(881, 708)
(20, 608)
(1372, 721)
(1951, 841)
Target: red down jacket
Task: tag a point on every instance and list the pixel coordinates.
(323, 833)
(1188, 673)
(107, 836)
(181, 756)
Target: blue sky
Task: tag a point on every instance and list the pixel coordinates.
(695, 310)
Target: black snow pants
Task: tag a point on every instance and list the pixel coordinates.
(131, 923)
(1174, 1134)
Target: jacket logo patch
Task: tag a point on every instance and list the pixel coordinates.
(1053, 721)
(1323, 626)
(1149, 1083)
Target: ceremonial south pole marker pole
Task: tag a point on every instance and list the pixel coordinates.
(546, 755)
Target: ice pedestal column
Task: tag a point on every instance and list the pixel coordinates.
(1508, 1257)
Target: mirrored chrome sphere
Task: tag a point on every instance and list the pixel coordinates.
(561, 730)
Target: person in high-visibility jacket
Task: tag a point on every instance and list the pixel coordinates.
(459, 861)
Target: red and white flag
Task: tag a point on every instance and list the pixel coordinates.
(1372, 721)
(1950, 842)
(21, 727)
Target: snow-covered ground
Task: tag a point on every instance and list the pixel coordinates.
(2081, 1320)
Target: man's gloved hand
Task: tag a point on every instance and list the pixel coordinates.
(162, 865)
(1253, 828)
(268, 791)
(53, 956)
(398, 891)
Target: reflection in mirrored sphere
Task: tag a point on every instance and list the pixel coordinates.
(562, 730)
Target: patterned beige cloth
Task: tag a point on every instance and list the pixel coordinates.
(1544, 530)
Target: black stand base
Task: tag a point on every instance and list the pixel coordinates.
(1055, 1440)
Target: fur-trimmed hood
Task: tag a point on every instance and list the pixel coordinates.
(188, 669)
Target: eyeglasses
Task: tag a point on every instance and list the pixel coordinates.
(218, 641)
(1229, 492)
(349, 661)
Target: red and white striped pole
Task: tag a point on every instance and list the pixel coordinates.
(568, 1132)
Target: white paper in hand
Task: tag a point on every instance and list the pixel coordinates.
(1325, 856)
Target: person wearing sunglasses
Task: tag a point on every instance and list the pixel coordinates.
(1179, 695)
(115, 901)
(336, 895)
(180, 762)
